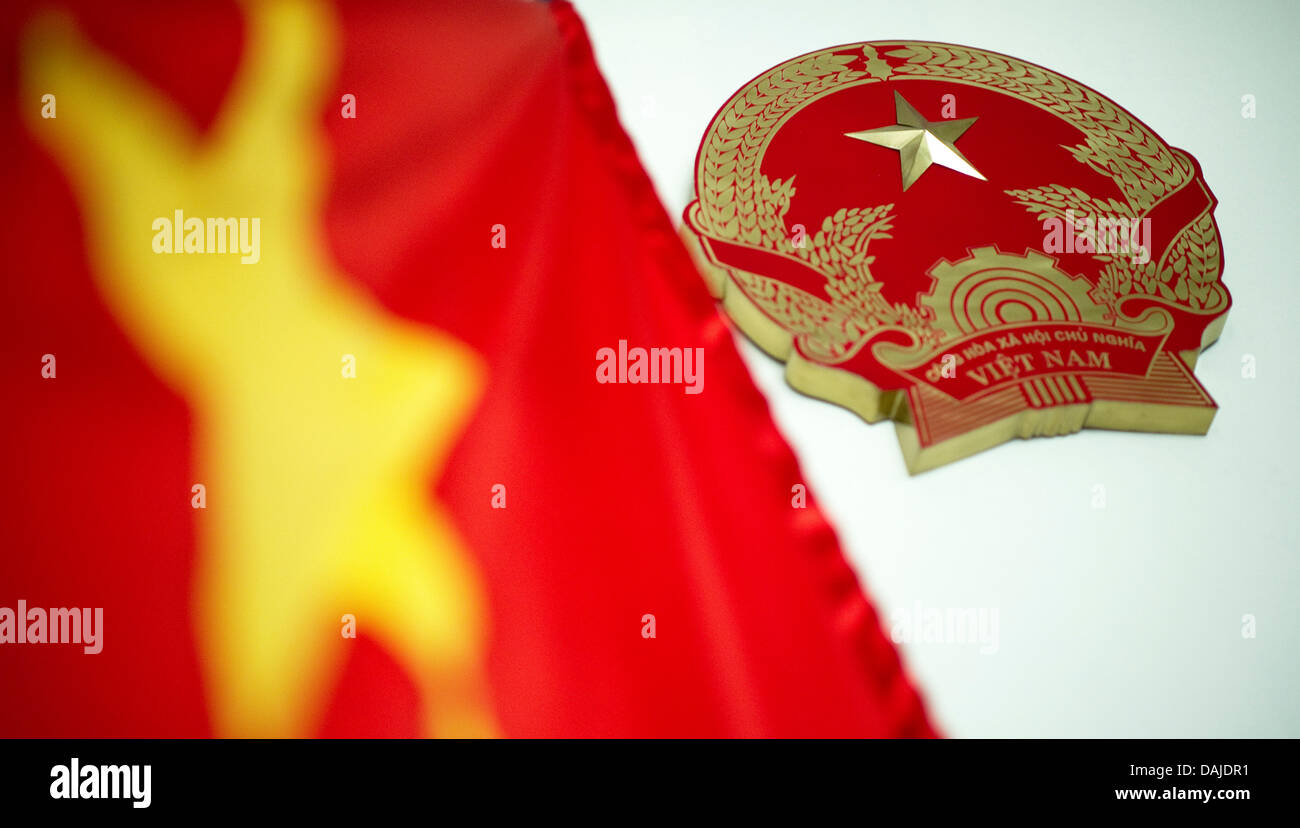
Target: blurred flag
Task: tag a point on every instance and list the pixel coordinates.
(323, 331)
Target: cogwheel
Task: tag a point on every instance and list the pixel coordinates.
(990, 288)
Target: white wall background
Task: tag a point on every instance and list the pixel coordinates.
(1117, 621)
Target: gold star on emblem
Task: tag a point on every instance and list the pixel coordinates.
(921, 143)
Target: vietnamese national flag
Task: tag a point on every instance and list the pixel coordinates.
(304, 308)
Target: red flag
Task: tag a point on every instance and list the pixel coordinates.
(395, 409)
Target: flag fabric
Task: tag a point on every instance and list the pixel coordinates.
(329, 388)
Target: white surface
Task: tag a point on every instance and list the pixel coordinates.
(1117, 621)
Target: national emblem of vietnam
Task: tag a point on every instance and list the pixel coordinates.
(968, 244)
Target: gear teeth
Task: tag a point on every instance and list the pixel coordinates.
(943, 267)
(1036, 256)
